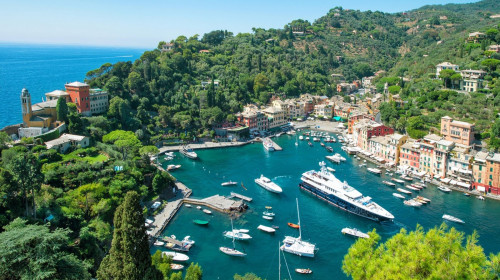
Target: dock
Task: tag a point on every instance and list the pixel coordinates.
(219, 203)
(175, 244)
(205, 145)
(240, 196)
(276, 146)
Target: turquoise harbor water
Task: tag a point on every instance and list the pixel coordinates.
(321, 222)
(44, 68)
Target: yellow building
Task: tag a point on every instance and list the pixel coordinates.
(42, 115)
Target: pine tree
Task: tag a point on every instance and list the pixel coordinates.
(129, 256)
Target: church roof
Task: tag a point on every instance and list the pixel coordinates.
(42, 105)
(39, 118)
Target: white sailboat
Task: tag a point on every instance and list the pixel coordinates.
(232, 251)
(297, 246)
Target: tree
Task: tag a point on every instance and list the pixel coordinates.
(146, 152)
(75, 125)
(437, 254)
(446, 74)
(26, 171)
(129, 256)
(162, 263)
(161, 181)
(62, 110)
(247, 276)
(193, 272)
(491, 63)
(35, 252)
(126, 141)
(260, 83)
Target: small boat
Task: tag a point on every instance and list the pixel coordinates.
(354, 232)
(407, 178)
(188, 205)
(421, 185)
(404, 191)
(171, 167)
(398, 195)
(307, 138)
(175, 266)
(275, 227)
(330, 169)
(266, 229)
(187, 240)
(232, 251)
(178, 257)
(243, 230)
(453, 219)
(236, 234)
(292, 225)
(159, 243)
(301, 137)
(268, 213)
(412, 188)
(322, 144)
(480, 197)
(269, 207)
(444, 189)
(412, 203)
(420, 200)
(330, 149)
(466, 194)
(267, 217)
(200, 222)
(188, 152)
(340, 157)
(334, 158)
(423, 198)
(206, 211)
(198, 207)
(388, 183)
(374, 170)
(303, 270)
(230, 183)
(310, 144)
(417, 186)
(362, 165)
(398, 180)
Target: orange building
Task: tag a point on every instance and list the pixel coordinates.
(456, 131)
(79, 94)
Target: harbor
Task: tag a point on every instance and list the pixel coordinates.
(246, 163)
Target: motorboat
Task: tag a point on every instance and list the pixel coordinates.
(267, 184)
(354, 232)
(423, 198)
(374, 171)
(297, 246)
(480, 197)
(243, 230)
(188, 152)
(268, 144)
(230, 183)
(389, 183)
(407, 178)
(236, 234)
(417, 186)
(444, 189)
(269, 218)
(177, 257)
(268, 213)
(303, 270)
(330, 169)
(325, 185)
(198, 207)
(310, 144)
(333, 158)
(188, 205)
(266, 229)
(330, 149)
(467, 194)
(340, 157)
(404, 191)
(159, 243)
(176, 266)
(412, 203)
(420, 200)
(398, 195)
(206, 211)
(187, 240)
(322, 144)
(171, 167)
(453, 219)
(398, 180)
(301, 137)
(412, 188)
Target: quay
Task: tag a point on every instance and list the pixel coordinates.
(276, 146)
(206, 145)
(219, 203)
(240, 196)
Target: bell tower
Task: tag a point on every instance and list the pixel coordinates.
(26, 106)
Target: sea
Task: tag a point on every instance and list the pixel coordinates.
(321, 222)
(44, 68)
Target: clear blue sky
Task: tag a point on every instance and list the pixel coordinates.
(144, 23)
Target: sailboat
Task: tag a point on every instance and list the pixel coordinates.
(279, 264)
(232, 251)
(296, 245)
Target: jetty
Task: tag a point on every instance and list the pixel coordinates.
(240, 196)
(219, 203)
(206, 145)
(175, 244)
(276, 146)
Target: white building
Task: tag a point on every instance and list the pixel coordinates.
(444, 66)
(98, 101)
(63, 143)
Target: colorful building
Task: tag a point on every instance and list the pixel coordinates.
(80, 95)
(409, 156)
(457, 131)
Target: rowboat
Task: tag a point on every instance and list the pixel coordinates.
(453, 219)
(404, 191)
(292, 225)
(303, 270)
(200, 222)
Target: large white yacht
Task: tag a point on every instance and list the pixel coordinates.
(297, 246)
(267, 184)
(188, 152)
(326, 186)
(268, 144)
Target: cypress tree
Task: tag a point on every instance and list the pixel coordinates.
(129, 256)
(62, 110)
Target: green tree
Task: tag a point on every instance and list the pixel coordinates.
(193, 272)
(446, 74)
(146, 152)
(161, 181)
(62, 110)
(437, 254)
(247, 276)
(125, 141)
(129, 256)
(35, 252)
(26, 171)
(491, 63)
(76, 125)
(260, 83)
(162, 263)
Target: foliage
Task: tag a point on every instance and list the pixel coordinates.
(129, 256)
(247, 276)
(433, 255)
(36, 252)
(62, 110)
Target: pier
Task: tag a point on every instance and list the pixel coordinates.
(219, 203)
(206, 145)
(276, 146)
(240, 196)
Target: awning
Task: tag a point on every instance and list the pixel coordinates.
(453, 182)
(462, 184)
(446, 180)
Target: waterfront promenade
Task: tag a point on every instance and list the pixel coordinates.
(206, 145)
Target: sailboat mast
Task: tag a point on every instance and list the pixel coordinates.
(232, 231)
(279, 261)
(298, 215)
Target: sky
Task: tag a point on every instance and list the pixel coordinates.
(142, 24)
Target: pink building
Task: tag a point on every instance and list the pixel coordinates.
(456, 131)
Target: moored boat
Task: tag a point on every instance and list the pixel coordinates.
(404, 191)
(303, 270)
(206, 211)
(172, 167)
(354, 232)
(268, 213)
(297, 246)
(188, 205)
(412, 188)
(200, 222)
(375, 171)
(188, 152)
(330, 149)
(444, 189)
(267, 217)
(267, 184)
(398, 195)
(423, 198)
(236, 234)
(268, 144)
(407, 178)
(398, 180)
(453, 219)
(330, 169)
(292, 225)
(480, 197)
(388, 183)
(176, 266)
(159, 243)
(412, 203)
(232, 251)
(230, 183)
(178, 257)
(266, 229)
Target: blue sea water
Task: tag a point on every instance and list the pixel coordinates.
(44, 68)
(321, 222)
